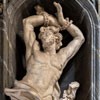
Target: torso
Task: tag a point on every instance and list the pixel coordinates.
(43, 71)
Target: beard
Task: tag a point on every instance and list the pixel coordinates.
(47, 45)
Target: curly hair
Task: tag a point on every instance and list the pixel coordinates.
(55, 31)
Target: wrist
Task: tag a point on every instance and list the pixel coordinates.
(66, 24)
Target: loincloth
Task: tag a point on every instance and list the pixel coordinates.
(22, 92)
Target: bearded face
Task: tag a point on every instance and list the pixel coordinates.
(49, 37)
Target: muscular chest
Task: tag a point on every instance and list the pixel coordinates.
(44, 69)
(50, 60)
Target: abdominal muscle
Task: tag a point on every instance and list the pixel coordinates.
(42, 77)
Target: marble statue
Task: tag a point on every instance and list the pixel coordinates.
(44, 68)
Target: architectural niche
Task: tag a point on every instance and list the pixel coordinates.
(84, 67)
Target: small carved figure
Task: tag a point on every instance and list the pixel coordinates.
(44, 68)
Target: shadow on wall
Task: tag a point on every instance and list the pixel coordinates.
(20, 58)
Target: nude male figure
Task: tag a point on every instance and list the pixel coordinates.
(44, 68)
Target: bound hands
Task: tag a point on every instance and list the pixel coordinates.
(64, 22)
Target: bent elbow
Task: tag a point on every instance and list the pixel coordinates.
(82, 38)
(25, 21)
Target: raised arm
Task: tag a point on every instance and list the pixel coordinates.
(34, 21)
(65, 54)
(29, 34)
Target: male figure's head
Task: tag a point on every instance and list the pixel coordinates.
(50, 37)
